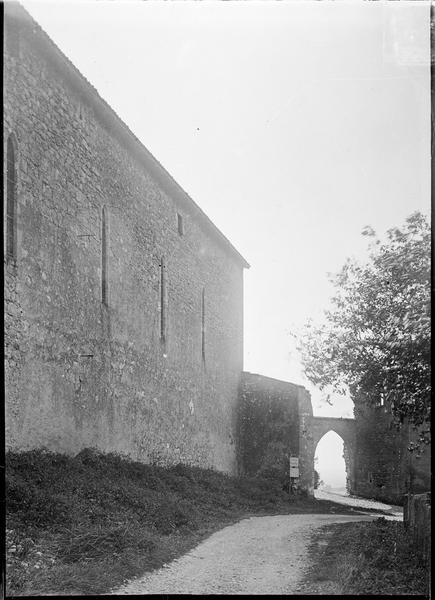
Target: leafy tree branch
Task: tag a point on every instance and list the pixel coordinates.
(375, 340)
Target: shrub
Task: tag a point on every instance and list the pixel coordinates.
(99, 541)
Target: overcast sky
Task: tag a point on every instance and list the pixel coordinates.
(291, 124)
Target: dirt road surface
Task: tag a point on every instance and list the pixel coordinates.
(395, 512)
(259, 555)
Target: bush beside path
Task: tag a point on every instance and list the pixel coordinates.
(365, 559)
(86, 524)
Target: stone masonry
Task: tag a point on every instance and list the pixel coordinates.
(275, 422)
(150, 367)
(124, 303)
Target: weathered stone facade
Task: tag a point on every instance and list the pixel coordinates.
(124, 303)
(274, 424)
(384, 467)
(124, 336)
(276, 421)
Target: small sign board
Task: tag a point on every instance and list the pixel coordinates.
(294, 466)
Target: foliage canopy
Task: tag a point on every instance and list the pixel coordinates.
(375, 340)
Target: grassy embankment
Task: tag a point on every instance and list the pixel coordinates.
(367, 558)
(85, 524)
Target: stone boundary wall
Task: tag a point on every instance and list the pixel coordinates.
(417, 520)
(274, 423)
(384, 467)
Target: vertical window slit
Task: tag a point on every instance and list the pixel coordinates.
(11, 203)
(163, 300)
(203, 323)
(180, 224)
(104, 257)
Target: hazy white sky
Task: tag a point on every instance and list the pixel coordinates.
(292, 125)
(329, 461)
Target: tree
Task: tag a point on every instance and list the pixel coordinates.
(375, 340)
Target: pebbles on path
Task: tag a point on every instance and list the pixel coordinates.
(259, 555)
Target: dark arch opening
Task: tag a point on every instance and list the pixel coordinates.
(11, 199)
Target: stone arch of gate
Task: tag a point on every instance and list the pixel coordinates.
(345, 428)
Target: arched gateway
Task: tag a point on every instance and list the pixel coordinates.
(345, 428)
(276, 423)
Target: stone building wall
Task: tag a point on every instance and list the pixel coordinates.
(81, 373)
(274, 423)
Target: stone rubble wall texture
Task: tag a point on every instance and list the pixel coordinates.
(306, 447)
(79, 373)
(271, 428)
(384, 467)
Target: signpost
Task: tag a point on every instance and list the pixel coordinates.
(294, 473)
(294, 466)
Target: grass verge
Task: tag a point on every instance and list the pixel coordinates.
(366, 558)
(85, 524)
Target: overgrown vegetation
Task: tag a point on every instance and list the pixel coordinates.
(375, 339)
(376, 557)
(85, 524)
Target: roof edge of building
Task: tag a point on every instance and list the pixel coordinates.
(115, 125)
(260, 376)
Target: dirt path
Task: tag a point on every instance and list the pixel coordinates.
(259, 555)
(396, 512)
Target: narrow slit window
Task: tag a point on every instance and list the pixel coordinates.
(104, 257)
(163, 300)
(180, 224)
(11, 203)
(203, 323)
